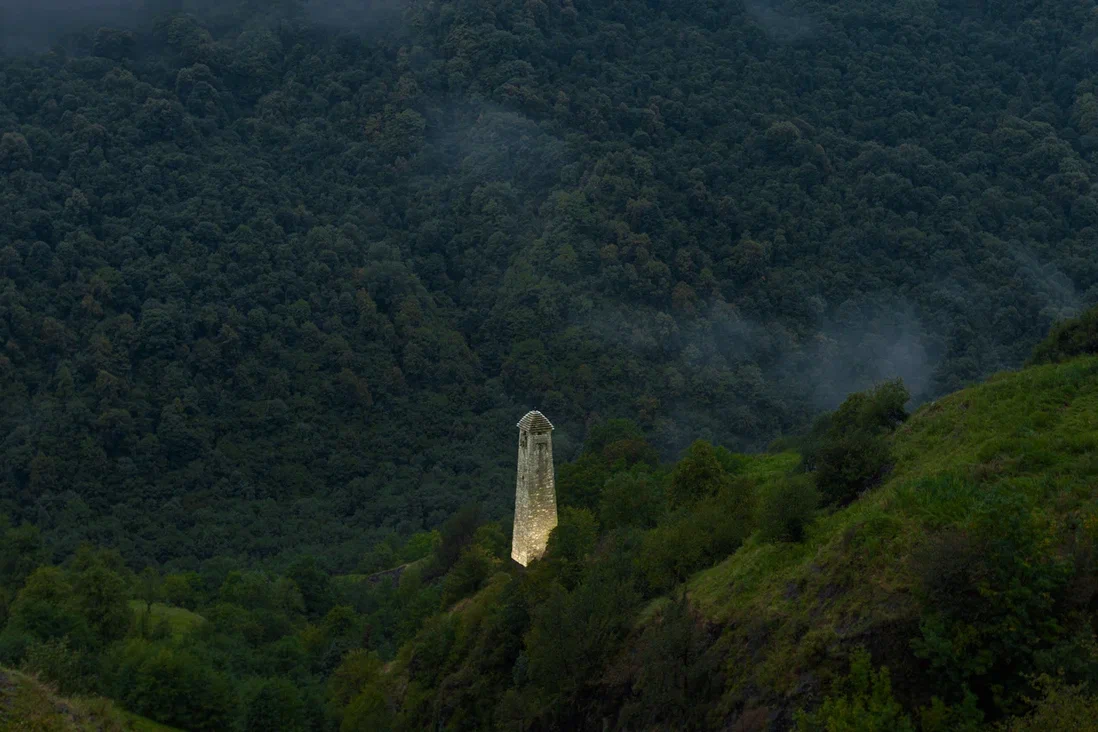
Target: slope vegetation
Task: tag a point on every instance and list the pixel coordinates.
(27, 705)
(957, 592)
(1021, 447)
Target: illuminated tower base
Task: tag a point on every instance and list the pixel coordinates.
(536, 492)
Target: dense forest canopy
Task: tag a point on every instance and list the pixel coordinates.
(280, 277)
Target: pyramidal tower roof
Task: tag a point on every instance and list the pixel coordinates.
(535, 421)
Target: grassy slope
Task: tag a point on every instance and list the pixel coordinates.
(180, 620)
(27, 705)
(790, 610)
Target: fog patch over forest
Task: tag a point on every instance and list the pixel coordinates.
(858, 353)
(1048, 282)
(781, 25)
(34, 25)
(361, 17)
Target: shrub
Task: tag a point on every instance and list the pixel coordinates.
(54, 661)
(1061, 707)
(1068, 339)
(711, 529)
(786, 512)
(696, 475)
(848, 466)
(861, 701)
(467, 575)
(994, 596)
(634, 498)
(275, 704)
(848, 449)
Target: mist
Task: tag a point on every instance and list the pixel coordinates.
(35, 25)
(361, 17)
(1048, 283)
(780, 26)
(857, 354)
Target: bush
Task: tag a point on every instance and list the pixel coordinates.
(173, 687)
(786, 512)
(696, 475)
(275, 704)
(707, 532)
(635, 498)
(54, 661)
(861, 701)
(467, 575)
(848, 466)
(1068, 339)
(994, 595)
(1062, 707)
(848, 449)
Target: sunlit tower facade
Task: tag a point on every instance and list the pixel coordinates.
(536, 491)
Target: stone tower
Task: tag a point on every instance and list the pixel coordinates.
(536, 492)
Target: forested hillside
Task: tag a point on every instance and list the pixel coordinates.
(279, 278)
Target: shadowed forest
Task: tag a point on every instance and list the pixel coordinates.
(277, 279)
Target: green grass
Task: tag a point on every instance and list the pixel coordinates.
(354, 578)
(790, 608)
(27, 705)
(1037, 421)
(180, 620)
(350, 579)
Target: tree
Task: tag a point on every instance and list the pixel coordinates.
(456, 533)
(21, 551)
(1068, 339)
(1061, 706)
(173, 687)
(848, 449)
(570, 543)
(367, 712)
(676, 674)
(314, 584)
(275, 704)
(150, 589)
(572, 634)
(100, 596)
(15, 152)
(44, 610)
(467, 575)
(670, 553)
(180, 589)
(696, 475)
(634, 498)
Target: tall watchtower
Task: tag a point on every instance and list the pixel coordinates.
(536, 492)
